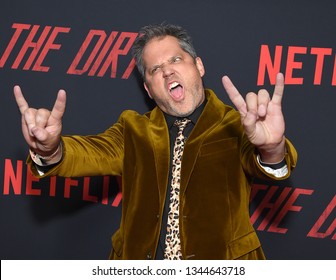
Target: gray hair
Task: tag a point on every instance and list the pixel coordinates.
(149, 32)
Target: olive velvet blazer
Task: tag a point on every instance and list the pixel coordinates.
(218, 166)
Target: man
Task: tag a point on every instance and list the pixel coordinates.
(223, 150)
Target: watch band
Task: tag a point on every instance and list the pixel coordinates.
(42, 160)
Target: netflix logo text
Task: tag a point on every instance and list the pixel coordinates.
(290, 61)
(68, 188)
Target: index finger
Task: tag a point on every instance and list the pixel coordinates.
(20, 100)
(278, 89)
(234, 95)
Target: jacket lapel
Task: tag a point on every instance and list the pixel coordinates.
(209, 119)
(160, 140)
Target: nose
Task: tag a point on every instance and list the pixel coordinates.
(167, 70)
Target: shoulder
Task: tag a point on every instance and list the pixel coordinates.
(131, 115)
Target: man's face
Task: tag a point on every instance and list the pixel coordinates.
(172, 77)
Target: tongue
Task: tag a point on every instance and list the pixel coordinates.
(176, 93)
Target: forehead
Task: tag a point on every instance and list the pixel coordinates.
(161, 48)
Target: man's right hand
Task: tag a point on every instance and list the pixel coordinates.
(41, 128)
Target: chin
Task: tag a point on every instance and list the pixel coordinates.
(184, 113)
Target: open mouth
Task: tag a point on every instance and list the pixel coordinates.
(176, 91)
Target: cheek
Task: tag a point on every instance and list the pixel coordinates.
(155, 86)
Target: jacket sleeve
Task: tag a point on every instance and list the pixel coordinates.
(252, 167)
(93, 155)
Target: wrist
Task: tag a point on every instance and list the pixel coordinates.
(274, 154)
(55, 157)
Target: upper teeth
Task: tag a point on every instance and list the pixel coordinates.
(172, 85)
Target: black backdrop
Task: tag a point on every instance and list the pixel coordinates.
(57, 218)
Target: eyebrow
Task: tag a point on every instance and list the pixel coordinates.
(171, 59)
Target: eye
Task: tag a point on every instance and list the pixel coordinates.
(155, 69)
(176, 59)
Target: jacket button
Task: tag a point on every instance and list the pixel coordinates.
(149, 256)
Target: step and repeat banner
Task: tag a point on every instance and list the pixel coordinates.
(84, 48)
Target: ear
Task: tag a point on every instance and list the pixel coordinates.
(146, 88)
(200, 66)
